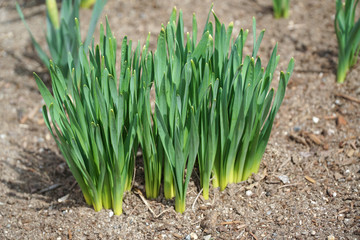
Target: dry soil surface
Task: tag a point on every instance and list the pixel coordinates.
(308, 184)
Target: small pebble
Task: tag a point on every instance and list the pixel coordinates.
(194, 236)
(297, 129)
(331, 131)
(111, 213)
(188, 237)
(284, 179)
(249, 193)
(338, 102)
(331, 192)
(317, 132)
(313, 233)
(348, 221)
(315, 119)
(207, 237)
(268, 212)
(331, 237)
(47, 137)
(305, 154)
(2, 136)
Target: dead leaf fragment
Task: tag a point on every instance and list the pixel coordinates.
(298, 139)
(69, 234)
(310, 179)
(350, 153)
(348, 162)
(345, 210)
(315, 139)
(326, 146)
(178, 236)
(341, 121)
(210, 220)
(338, 176)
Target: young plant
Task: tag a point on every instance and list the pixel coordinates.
(63, 35)
(281, 8)
(243, 104)
(348, 36)
(208, 127)
(94, 122)
(147, 131)
(203, 93)
(177, 117)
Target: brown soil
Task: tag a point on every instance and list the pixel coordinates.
(315, 141)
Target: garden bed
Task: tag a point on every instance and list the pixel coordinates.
(308, 182)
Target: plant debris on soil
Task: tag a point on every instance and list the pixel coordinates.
(308, 183)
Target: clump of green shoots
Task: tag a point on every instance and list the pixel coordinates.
(63, 35)
(240, 108)
(176, 106)
(222, 96)
(94, 119)
(281, 8)
(213, 104)
(148, 135)
(348, 36)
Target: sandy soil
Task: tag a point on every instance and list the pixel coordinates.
(315, 141)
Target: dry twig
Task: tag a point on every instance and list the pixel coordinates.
(253, 235)
(290, 185)
(193, 205)
(310, 179)
(348, 97)
(233, 222)
(138, 192)
(31, 114)
(52, 187)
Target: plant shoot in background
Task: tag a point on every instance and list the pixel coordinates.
(281, 8)
(86, 3)
(62, 33)
(348, 37)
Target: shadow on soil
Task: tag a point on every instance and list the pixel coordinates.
(45, 176)
(21, 68)
(24, 4)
